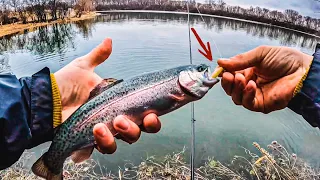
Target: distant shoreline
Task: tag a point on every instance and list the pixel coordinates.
(18, 28)
(209, 15)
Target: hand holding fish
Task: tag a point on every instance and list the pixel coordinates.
(77, 79)
(265, 78)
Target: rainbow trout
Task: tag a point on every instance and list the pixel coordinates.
(158, 92)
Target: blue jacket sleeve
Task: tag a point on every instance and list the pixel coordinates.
(307, 100)
(26, 109)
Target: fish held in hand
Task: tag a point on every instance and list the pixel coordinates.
(158, 92)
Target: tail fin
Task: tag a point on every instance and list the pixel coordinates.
(40, 169)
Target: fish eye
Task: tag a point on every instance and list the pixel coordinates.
(201, 68)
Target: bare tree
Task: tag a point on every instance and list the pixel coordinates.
(221, 4)
(291, 15)
(83, 5)
(14, 4)
(53, 8)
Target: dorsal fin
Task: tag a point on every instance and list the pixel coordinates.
(105, 84)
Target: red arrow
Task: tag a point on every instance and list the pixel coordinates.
(207, 53)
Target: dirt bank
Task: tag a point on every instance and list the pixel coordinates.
(19, 27)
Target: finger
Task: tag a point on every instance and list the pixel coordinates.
(151, 123)
(237, 91)
(249, 94)
(98, 55)
(104, 139)
(232, 72)
(249, 74)
(128, 130)
(227, 82)
(245, 60)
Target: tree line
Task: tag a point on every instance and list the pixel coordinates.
(289, 18)
(28, 11)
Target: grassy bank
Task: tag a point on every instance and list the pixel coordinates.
(274, 162)
(19, 27)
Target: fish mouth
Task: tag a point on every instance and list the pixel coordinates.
(208, 81)
(196, 84)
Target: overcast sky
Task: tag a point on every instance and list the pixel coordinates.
(304, 7)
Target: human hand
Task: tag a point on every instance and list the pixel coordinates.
(264, 79)
(77, 79)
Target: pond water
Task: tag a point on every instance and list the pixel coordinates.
(153, 41)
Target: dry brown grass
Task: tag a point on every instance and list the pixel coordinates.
(18, 28)
(274, 164)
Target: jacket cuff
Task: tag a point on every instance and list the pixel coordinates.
(41, 124)
(57, 107)
(306, 101)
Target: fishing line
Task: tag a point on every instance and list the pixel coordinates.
(214, 42)
(200, 14)
(192, 107)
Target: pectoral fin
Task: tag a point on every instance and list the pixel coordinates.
(81, 155)
(177, 97)
(105, 84)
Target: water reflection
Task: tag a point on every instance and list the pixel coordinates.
(85, 27)
(44, 40)
(4, 64)
(56, 38)
(286, 37)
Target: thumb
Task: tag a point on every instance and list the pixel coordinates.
(98, 55)
(245, 60)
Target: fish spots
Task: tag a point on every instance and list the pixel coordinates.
(142, 94)
(65, 131)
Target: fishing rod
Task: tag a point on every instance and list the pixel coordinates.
(192, 106)
(215, 74)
